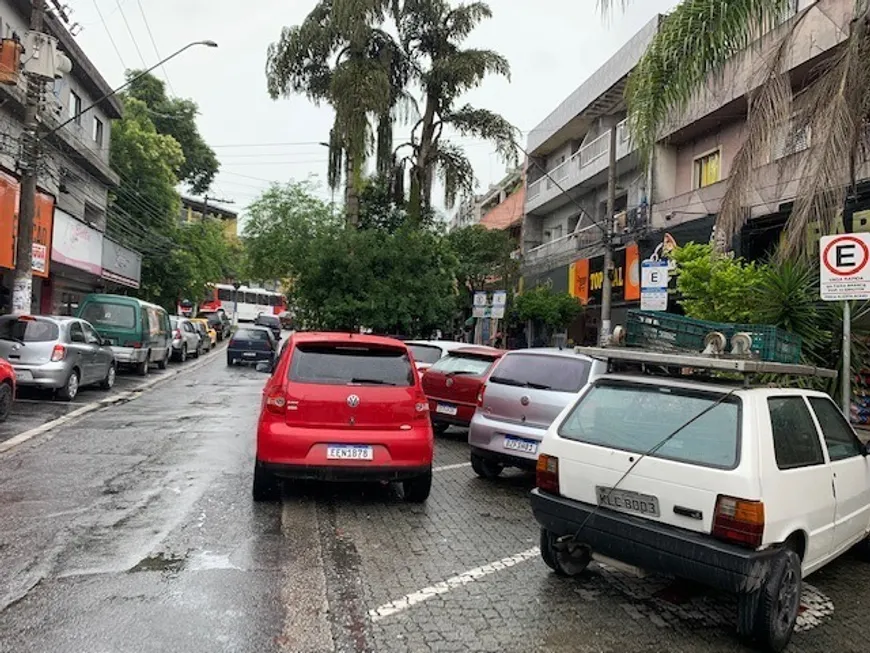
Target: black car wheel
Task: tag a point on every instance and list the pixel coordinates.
(485, 468)
(109, 382)
(416, 490)
(778, 603)
(565, 560)
(265, 487)
(6, 399)
(163, 363)
(142, 368)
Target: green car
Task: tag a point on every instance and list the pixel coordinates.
(139, 332)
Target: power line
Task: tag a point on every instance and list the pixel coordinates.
(109, 33)
(130, 32)
(154, 44)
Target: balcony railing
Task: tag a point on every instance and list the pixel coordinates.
(583, 237)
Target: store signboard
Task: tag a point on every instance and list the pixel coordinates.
(76, 244)
(10, 195)
(121, 265)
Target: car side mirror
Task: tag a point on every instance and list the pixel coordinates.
(105, 342)
(265, 367)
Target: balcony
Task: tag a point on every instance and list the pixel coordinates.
(562, 250)
(590, 160)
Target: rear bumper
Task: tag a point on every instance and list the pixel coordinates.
(487, 437)
(49, 375)
(128, 355)
(463, 415)
(250, 356)
(505, 458)
(345, 473)
(654, 546)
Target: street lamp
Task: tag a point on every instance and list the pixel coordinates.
(207, 43)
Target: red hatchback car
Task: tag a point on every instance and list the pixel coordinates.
(7, 388)
(452, 385)
(344, 407)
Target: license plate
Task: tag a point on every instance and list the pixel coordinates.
(445, 409)
(519, 444)
(249, 354)
(23, 375)
(625, 501)
(349, 452)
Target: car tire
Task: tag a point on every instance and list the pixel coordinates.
(182, 355)
(144, 367)
(485, 468)
(230, 361)
(109, 382)
(198, 351)
(265, 487)
(417, 490)
(163, 363)
(7, 397)
(440, 428)
(566, 564)
(70, 389)
(779, 602)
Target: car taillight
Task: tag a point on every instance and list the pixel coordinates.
(58, 353)
(547, 474)
(421, 408)
(276, 401)
(134, 344)
(232, 342)
(739, 521)
(480, 395)
(176, 335)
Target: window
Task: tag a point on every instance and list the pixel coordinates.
(637, 418)
(541, 371)
(37, 330)
(91, 336)
(225, 294)
(250, 298)
(340, 365)
(98, 131)
(76, 334)
(840, 439)
(257, 335)
(790, 140)
(425, 353)
(102, 314)
(462, 364)
(707, 169)
(75, 107)
(795, 438)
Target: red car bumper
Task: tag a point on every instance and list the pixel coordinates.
(301, 453)
(463, 415)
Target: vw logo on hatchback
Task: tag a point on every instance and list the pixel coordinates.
(353, 401)
(524, 400)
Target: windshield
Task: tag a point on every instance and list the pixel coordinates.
(542, 371)
(30, 330)
(340, 365)
(635, 417)
(462, 364)
(425, 353)
(106, 314)
(251, 334)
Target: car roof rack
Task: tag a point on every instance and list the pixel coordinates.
(745, 366)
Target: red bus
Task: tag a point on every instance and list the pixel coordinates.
(251, 302)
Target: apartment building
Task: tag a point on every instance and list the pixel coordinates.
(193, 210)
(473, 209)
(71, 255)
(677, 200)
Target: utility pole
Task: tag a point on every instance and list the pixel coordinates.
(218, 200)
(22, 286)
(607, 282)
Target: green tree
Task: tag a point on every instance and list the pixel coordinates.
(553, 310)
(176, 117)
(698, 38)
(483, 256)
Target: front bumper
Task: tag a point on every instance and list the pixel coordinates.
(345, 473)
(129, 355)
(48, 375)
(653, 546)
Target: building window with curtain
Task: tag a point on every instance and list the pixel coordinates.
(707, 169)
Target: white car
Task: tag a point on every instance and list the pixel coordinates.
(744, 489)
(428, 352)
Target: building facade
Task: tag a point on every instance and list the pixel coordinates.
(473, 209)
(678, 198)
(193, 210)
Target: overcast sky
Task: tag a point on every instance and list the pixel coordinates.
(552, 46)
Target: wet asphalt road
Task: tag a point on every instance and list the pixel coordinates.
(132, 530)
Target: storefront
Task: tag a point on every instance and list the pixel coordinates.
(77, 257)
(122, 267)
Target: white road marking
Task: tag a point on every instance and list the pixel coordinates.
(399, 605)
(444, 468)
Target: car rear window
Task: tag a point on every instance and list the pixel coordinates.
(105, 314)
(425, 353)
(636, 418)
(251, 334)
(33, 330)
(463, 364)
(343, 365)
(560, 373)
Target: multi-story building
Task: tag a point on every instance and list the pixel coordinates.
(473, 209)
(677, 199)
(193, 210)
(71, 255)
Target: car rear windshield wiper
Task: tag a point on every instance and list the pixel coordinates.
(506, 381)
(455, 372)
(538, 386)
(18, 340)
(371, 381)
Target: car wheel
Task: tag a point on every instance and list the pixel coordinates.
(230, 361)
(71, 388)
(144, 367)
(778, 602)
(266, 487)
(6, 399)
(163, 363)
(566, 560)
(198, 350)
(416, 490)
(485, 468)
(109, 382)
(440, 428)
(182, 357)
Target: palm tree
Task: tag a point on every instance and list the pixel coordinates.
(340, 56)
(698, 38)
(431, 32)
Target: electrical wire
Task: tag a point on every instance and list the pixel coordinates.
(130, 32)
(154, 45)
(109, 34)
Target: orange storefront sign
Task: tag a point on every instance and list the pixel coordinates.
(632, 274)
(43, 224)
(579, 280)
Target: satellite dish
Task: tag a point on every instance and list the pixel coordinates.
(714, 343)
(741, 344)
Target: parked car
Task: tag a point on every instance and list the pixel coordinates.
(252, 344)
(428, 352)
(524, 393)
(59, 353)
(270, 322)
(343, 406)
(7, 389)
(743, 488)
(453, 383)
(138, 332)
(287, 321)
(209, 335)
(186, 341)
(219, 321)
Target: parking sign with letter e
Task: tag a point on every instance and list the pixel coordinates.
(844, 267)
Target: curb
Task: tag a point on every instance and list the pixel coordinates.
(120, 398)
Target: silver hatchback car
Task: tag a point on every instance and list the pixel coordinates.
(525, 392)
(56, 352)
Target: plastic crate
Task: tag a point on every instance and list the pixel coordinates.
(669, 332)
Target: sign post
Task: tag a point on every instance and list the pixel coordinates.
(654, 286)
(845, 276)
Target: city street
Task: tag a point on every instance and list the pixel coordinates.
(132, 529)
